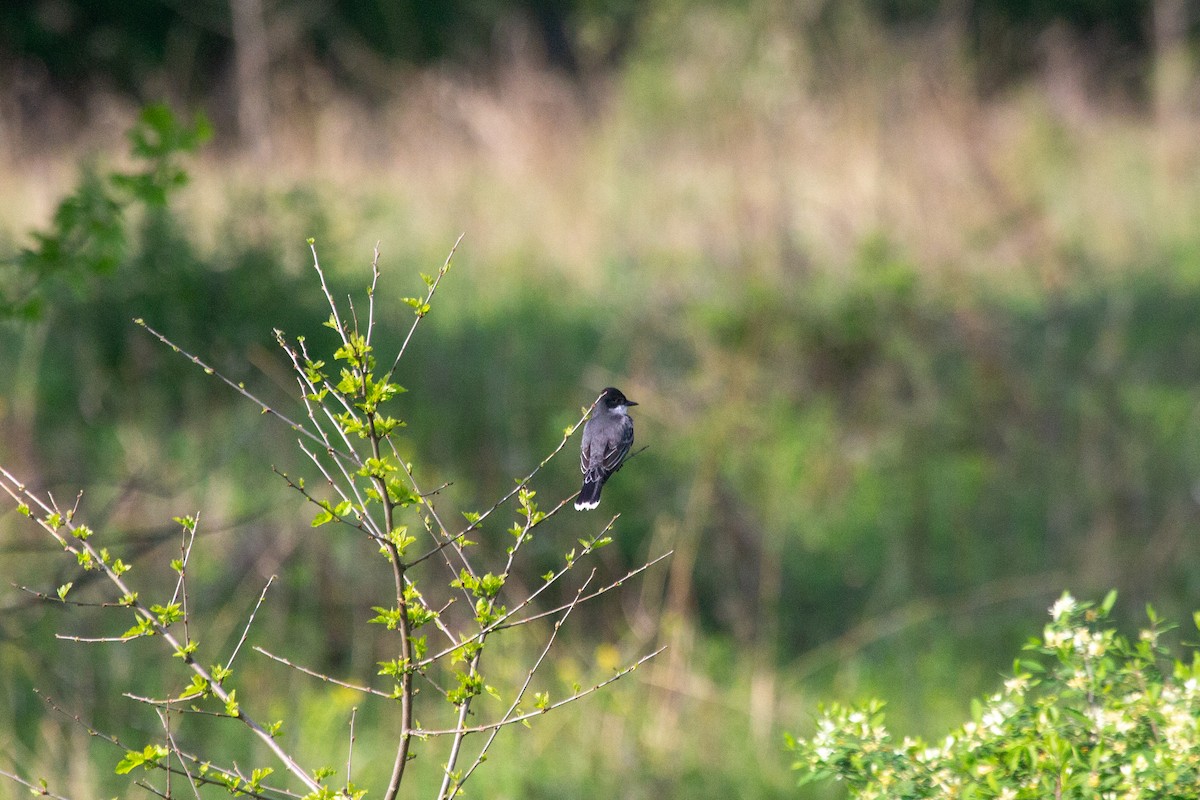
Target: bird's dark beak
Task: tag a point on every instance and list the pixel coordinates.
(630, 403)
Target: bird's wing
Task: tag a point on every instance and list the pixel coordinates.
(614, 456)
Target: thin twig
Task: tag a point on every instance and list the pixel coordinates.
(97, 639)
(38, 789)
(83, 545)
(249, 622)
(518, 607)
(196, 761)
(312, 245)
(320, 676)
(237, 387)
(171, 702)
(437, 279)
(185, 552)
(350, 751)
(614, 585)
(154, 791)
(54, 598)
(516, 703)
(165, 716)
(596, 687)
(520, 485)
(371, 293)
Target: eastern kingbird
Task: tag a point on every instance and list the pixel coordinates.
(607, 437)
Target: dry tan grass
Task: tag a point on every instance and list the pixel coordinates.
(729, 148)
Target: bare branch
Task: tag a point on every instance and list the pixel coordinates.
(170, 703)
(62, 600)
(551, 707)
(165, 717)
(195, 760)
(320, 676)
(615, 584)
(513, 611)
(96, 639)
(479, 758)
(354, 710)
(163, 631)
(237, 387)
(520, 485)
(39, 789)
(437, 279)
(249, 622)
(185, 553)
(312, 245)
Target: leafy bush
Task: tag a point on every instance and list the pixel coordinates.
(90, 232)
(1095, 715)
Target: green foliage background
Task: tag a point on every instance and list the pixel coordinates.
(880, 447)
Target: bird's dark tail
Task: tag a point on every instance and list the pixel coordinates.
(589, 495)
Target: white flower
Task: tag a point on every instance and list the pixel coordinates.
(1054, 637)
(993, 721)
(1063, 605)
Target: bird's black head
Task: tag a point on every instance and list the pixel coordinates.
(611, 398)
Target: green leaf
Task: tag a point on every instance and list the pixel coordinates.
(147, 758)
(1107, 604)
(186, 651)
(420, 307)
(395, 668)
(386, 616)
(490, 585)
(62, 590)
(143, 627)
(197, 688)
(167, 615)
(256, 777)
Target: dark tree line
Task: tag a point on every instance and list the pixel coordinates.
(120, 43)
(77, 44)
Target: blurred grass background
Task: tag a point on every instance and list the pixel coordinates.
(909, 294)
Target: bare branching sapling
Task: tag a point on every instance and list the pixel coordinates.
(347, 432)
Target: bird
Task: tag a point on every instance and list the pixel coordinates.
(607, 437)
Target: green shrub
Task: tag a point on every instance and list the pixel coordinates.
(1094, 715)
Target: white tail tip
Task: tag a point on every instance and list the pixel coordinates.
(586, 506)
